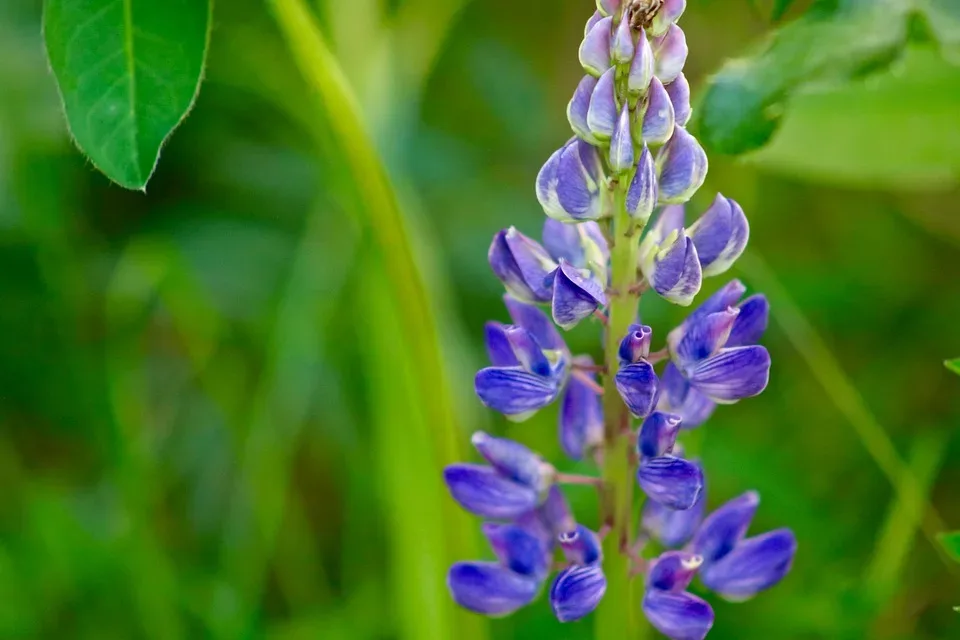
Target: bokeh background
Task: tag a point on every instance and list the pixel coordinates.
(225, 404)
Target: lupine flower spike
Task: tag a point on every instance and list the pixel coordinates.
(616, 229)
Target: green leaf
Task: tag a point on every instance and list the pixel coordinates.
(951, 542)
(128, 72)
(897, 130)
(953, 365)
(834, 42)
(780, 7)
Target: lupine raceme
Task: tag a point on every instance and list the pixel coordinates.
(617, 229)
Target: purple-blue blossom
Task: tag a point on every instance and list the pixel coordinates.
(616, 230)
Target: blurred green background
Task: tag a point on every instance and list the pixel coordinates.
(225, 404)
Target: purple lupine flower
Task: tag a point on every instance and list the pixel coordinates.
(641, 67)
(581, 546)
(602, 112)
(673, 528)
(683, 167)
(513, 460)
(720, 235)
(635, 346)
(737, 567)
(579, 106)
(489, 588)
(621, 143)
(658, 435)
(659, 119)
(679, 92)
(670, 51)
(568, 185)
(670, 12)
(582, 245)
(522, 265)
(485, 492)
(576, 295)
(622, 46)
(576, 591)
(518, 549)
(673, 482)
(595, 48)
(679, 616)
(673, 571)
(642, 194)
(581, 416)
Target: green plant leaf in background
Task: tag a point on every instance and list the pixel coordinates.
(128, 72)
(780, 7)
(836, 40)
(951, 542)
(953, 365)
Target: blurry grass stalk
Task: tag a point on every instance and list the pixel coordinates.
(910, 493)
(413, 323)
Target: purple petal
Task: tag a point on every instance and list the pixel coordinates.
(637, 385)
(513, 460)
(621, 144)
(642, 66)
(576, 295)
(513, 391)
(536, 322)
(670, 12)
(595, 48)
(751, 323)
(679, 397)
(671, 527)
(498, 345)
(489, 589)
(591, 21)
(658, 434)
(753, 565)
(705, 337)
(673, 571)
(675, 272)
(673, 482)
(621, 49)
(658, 119)
(577, 188)
(726, 296)
(579, 106)
(721, 235)
(518, 549)
(732, 374)
(581, 546)
(671, 52)
(679, 92)
(562, 240)
(555, 512)
(577, 591)
(602, 113)
(642, 194)
(521, 264)
(679, 616)
(635, 346)
(528, 351)
(683, 167)
(725, 527)
(483, 491)
(581, 419)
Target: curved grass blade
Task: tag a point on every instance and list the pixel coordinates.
(128, 72)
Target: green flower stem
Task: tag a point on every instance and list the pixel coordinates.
(618, 615)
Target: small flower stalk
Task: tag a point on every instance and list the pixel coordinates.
(616, 228)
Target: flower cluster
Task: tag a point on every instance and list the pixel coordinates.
(630, 162)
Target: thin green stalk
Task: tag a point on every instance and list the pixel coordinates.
(617, 615)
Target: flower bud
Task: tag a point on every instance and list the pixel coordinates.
(513, 460)
(602, 113)
(568, 186)
(670, 12)
(581, 417)
(683, 167)
(673, 571)
(732, 374)
(725, 527)
(754, 564)
(673, 482)
(637, 385)
(536, 322)
(635, 346)
(608, 7)
(483, 491)
(622, 48)
(581, 546)
(670, 51)
(595, 48)
(517, 393)
(591, 21)
(674, 270)
(577, 591)
(576, 295)
(521, 264)
(579, 106)
(621, 143)
(658, 434)
(751, 323)
(642, 193)
(641, 67)
(670, 527)
(705, 337)
(490, 589)
(721, 235)
(518, 549)
(658, 118)
(679, 92)
(679, 616)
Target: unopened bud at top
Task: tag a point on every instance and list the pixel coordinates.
(670, 51)
(621, 143)
(683, 165)
(622, 47)
(658, 116)
(641, 67)
(669, 13)
(595, 48)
